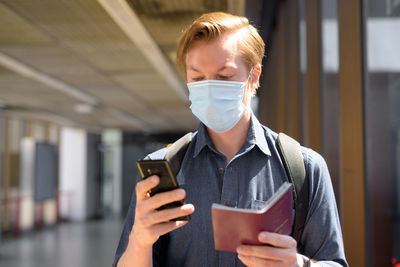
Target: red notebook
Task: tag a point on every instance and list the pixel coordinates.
(233, 226)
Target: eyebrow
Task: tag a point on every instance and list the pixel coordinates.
(221, 69)
(193, 68)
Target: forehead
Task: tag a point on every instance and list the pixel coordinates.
(217, 52)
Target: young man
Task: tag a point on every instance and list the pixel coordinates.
(232, 159)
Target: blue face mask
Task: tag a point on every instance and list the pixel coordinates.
(217, 104)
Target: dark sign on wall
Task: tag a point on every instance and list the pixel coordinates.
(45, 176)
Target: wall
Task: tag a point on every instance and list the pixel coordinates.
(72, 174)
(112, 170)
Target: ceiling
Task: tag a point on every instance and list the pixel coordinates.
(98, 63)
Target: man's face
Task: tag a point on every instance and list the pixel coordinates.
(218, 60)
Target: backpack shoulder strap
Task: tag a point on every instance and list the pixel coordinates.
(176, 152)
(294, 164)
(293, 161)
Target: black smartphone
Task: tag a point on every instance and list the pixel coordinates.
(167, 181)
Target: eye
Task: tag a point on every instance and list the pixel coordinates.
(224, 77)
(197, 79)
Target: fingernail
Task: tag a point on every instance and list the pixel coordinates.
(180, 193)
(153, 179)
(188, 207)
(263, 236)
(180, 223)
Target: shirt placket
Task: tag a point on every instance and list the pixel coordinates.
(229, 183)
(229, 192)
(229, 197)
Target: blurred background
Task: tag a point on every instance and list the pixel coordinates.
(88, 87)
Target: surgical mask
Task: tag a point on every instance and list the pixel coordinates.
(217, 104)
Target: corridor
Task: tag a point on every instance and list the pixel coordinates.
(77, 244)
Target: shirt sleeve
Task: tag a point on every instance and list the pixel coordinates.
(322, 235)
(160, 246)
(130, 218)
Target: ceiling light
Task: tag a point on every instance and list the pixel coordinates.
(83, 108)
(129, 119)
(29, 72)
(53, 83)
(130, 23)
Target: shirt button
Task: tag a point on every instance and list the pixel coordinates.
(221, 170)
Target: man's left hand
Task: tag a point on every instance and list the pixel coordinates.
(280, 250)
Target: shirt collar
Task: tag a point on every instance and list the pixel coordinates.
(202, 139)
(255, 136)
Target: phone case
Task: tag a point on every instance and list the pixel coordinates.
(167, 181)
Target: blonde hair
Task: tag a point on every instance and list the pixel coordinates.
(211, 26)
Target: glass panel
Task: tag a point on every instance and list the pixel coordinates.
(330, 91)
(382, 122)
(303, 65)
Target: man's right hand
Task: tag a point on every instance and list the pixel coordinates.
(151, 223)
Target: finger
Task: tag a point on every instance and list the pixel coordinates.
(146, 237)
(161, 199)
(173, 213)
(277, 240)
(145, 185)
(165, 215)
(255, 262)
(166, 227)
(268, 252)
(256, 251)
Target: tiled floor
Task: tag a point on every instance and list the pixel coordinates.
(83, 244)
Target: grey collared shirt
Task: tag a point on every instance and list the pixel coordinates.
(247, 181)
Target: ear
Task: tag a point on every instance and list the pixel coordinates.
(255, 76)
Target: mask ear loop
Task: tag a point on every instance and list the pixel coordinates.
(247, 87)
(249, 76)
(249, 80)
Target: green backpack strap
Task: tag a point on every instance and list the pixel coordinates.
(176, 152)
(294, 164)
